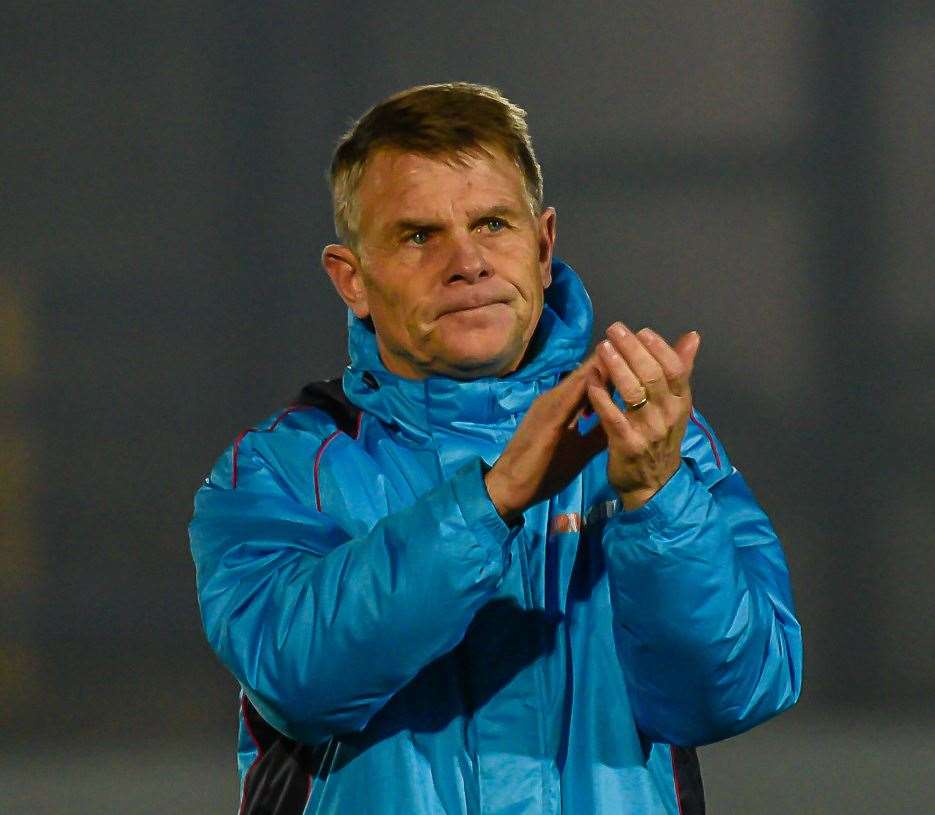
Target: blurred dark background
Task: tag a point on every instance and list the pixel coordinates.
(762, 171)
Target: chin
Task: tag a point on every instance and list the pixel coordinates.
(473, 363)
(480, 344)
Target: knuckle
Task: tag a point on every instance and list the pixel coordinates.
(618, 422)
(632, 397)
(676, 371)
(652, 375)
(657, 427)
(619, 366)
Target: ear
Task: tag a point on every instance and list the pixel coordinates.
(343, 267)
(546, 243)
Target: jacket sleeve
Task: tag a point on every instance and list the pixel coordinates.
(322, 629)
(703, 614)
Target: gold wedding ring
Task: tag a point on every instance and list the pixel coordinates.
(639, 404)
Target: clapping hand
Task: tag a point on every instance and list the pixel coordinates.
(644, 442)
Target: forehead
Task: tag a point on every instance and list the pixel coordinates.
(408, 185)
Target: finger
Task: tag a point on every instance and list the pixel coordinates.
(568, 397)
(676, 369)
(687, 348)
(596, 373)
(625, 380)
(613, 420)
(642, 363)
(599, 376)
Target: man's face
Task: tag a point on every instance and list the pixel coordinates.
(451, 265)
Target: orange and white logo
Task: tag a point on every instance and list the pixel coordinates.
(565, 522)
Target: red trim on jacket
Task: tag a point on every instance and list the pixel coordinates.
(717, 456)
(675, 779)
(270, 429)
(321, 451)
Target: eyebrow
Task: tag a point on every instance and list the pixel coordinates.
(407, 225)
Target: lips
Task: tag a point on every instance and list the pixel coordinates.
(470, 305)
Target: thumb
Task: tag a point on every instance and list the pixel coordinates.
(687, 348)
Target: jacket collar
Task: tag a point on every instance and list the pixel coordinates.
(421, 406)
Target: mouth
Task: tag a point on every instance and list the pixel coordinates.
(467, 309)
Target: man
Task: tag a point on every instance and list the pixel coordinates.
(446, 587)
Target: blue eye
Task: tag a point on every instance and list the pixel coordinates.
(494, 222)
(415, 237)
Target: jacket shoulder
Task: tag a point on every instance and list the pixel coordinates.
(287, 442)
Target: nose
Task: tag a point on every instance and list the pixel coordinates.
(467, 262)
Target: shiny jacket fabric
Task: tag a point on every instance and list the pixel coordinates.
(374, 607)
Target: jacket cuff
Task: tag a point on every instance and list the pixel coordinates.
(477, 509)
(666, 505)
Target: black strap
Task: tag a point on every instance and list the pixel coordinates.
(687, 771)
(280, 780)
(328, 395)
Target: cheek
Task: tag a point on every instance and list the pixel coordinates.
(530, 285)
(530, 309)
(396, 319)
(535, 312)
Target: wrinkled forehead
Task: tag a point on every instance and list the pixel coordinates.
(397, 184)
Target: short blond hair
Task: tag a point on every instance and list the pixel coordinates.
(454, 120)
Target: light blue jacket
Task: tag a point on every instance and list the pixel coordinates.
(371, 602)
